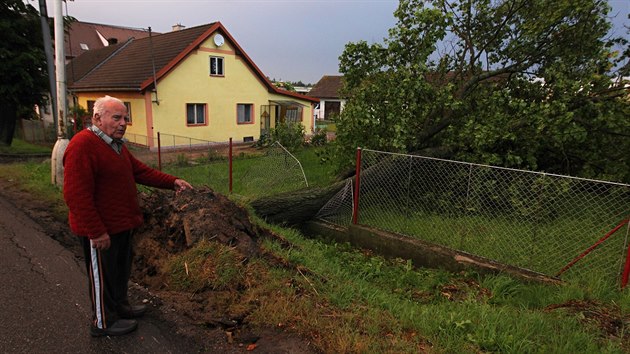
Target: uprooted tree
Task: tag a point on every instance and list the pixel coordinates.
(517, 83)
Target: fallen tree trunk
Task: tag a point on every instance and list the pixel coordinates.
(295, 207)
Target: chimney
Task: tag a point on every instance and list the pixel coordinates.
(178, 27)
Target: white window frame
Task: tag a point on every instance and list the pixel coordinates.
(128, 105)
(219, 66)
(196, 119)
(241, 110)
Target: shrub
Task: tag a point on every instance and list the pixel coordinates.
(263, 141)
(290, 135)
(319, 138)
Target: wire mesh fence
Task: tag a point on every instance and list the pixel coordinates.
(536, 221)
(175, 149)
(276, 171)
(224, 167)
(338, 210)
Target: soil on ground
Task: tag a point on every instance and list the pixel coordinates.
(213, 317)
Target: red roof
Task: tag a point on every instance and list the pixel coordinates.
(130, 68)
(84, 37)
(327, 87)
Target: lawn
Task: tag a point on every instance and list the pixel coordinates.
(19, 146)
(346, 300)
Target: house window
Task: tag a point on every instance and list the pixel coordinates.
(244, 113)
(293, 115)
(216, 66)
(128, 105)
(195, 113)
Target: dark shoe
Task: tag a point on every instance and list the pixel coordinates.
(132, 311)
(119, 328)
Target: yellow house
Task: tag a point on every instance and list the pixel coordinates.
(195, 83)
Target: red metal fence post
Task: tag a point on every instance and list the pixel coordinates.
(357, 182)
(626, 268)
(159, 153)
(230, 165)
(600, 241)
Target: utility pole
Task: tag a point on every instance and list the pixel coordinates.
(50, 61)
(62, 106)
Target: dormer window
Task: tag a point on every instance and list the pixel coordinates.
(84, 46)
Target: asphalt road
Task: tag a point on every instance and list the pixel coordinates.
(44, 305)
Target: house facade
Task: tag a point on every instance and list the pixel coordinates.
(327, 91)
(196, 83)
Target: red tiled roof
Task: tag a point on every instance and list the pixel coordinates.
(131, 67)
(88, 34)
(327, 87)
(77, 69)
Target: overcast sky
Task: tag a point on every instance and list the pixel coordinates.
(289, 40)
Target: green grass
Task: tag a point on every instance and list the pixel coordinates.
(328, 125)
(19, 146)
(508, 316)
(35, 179)
(545, 247)
(254, 176)
(347, 301)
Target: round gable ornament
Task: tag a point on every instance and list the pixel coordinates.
(218, 40)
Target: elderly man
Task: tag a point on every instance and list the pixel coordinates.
(100, 177)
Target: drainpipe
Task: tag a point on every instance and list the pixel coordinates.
(56, 167)
(156, 101)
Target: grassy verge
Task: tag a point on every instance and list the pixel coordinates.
(34, 178)
(384, 306)
(347, 301)
(19, 146)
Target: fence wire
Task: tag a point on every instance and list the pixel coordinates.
(277, 171)
(338, 210)
(530, 220)
(175, 149)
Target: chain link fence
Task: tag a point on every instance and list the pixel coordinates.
(555, 225)
(175, 149)
(276, 171)
(224, 167)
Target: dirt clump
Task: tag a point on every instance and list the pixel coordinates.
(201, 256)
(609, 319)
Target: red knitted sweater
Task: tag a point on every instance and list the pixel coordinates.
(99, 186)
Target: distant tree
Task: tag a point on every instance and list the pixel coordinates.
(517, 83)
(623, 60)
(285, 85)
(23, 70)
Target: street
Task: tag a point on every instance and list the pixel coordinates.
(44, 306)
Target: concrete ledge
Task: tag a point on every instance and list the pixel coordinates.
(421, 253)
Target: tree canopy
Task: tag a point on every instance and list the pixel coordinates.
(517, 83)
(23, 70)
